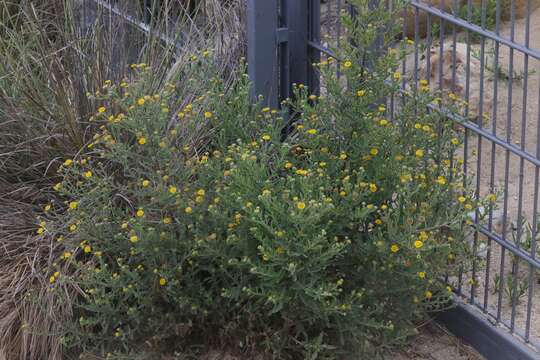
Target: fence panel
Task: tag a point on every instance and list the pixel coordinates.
(486, 54)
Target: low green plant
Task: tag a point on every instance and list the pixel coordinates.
(331, 241)
(514, 287)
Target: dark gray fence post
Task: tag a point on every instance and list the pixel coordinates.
(262, 22)
(314, 37)
(297, 23)
(303, 23)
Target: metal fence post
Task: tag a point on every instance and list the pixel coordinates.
(297, 23)
(262, 22)
(314, 37)
(303, 21)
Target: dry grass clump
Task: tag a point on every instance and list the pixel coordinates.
(53, 53)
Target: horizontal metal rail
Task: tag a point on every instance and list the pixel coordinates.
(511, 247)
(140, 25)
(323, 49)
(475, 28)
(486, 134)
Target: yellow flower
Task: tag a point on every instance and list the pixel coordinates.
(394, 248)
(419, 153)
(47, 207)
(312, 131)
(441, 180)
(201, 192)
(68, 162)
(146, 183)
(167, 220)
(87, 249)
(141, 101)
(374, 151)
(455, 141)
(347, 64)
(102, 109)
(301, 172)
(73, 205)
(134, 238)
(373, 187)
(492, 197)
(360, 93)
(142, 141)
(382, 108)
(397, 75)
(343, 156)
(266, 137)
(162, 282)
(72, 227)
(67, 255)
(124, 226)
(288, 165)
(188, 210)
(418, 244)
(40, 230)
(378, 221)
(383, 122)
(462, 199)
(52, 279)
(172, 189)
(88, 174)
(266, 192)
(208, 115)
(468, 206)
(140, 213)
(429, 294)
(301, 205)
(421, 274)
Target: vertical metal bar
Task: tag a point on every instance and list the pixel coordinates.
(535, 205)
(262, 23)
(338, 35)
(284, 72)
(480, 120)
(297, 15)
(507, 159)
(515, 261)
(521, 165)
(416, 41)
(314, 56)
(534, 230)
(493, 153)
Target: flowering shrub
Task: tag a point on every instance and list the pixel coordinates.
(202, 226)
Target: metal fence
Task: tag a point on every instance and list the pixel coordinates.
(486, 52)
